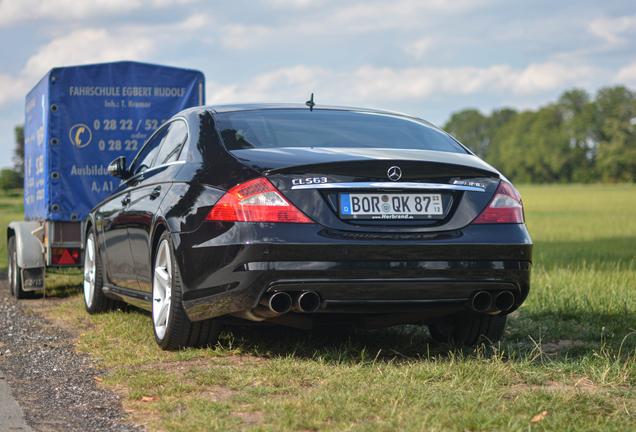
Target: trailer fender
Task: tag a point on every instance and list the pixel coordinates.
(29, 250)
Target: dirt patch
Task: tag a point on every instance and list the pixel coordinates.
(183, 367)
(551, 350)
(584, 385)
(557, 345)
(53, 383)
(250, 418)
(47, 319)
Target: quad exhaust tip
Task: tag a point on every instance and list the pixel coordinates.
(279, 302)
(483, 301)
(504, 300)
(307, 301)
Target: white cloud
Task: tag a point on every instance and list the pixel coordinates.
(372, 16)
(172, 32)
(626, 75)
(79, 47)
(87, 46)
(378, 85)
(611, 30)
(13, 11)
(12, 88)
(299, 4)
(386, 83)
(194, 22)
(238, 36)
(96, 45)
(393, 7)
(351, 17)
(551, 75)
(418, 48)
(282, 85)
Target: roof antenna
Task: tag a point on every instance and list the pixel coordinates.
(310, 103)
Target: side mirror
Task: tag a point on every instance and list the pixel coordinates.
(117, 168)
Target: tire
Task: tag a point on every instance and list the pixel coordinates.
(15, 276)
(13, 273)
(94, 298)
(173, 329)
(468, 330)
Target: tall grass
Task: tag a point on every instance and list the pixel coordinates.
(584, 275)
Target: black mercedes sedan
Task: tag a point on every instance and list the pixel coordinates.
(308, 216)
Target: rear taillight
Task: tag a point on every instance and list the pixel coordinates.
(504, 207)
(256, 201)
(66, 256)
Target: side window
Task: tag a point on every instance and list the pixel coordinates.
(172, 143)
(147, 154)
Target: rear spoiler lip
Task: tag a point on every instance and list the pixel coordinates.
(391, 185)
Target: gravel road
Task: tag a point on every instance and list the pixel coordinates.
(53, 384)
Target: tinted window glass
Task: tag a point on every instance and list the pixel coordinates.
(318, 128)
(172, 143)
(146, 156)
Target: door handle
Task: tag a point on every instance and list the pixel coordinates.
(155, 193)
(126, 200)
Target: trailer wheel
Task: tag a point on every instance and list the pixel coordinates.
(15, 278)
(12, 276)
(94, 298)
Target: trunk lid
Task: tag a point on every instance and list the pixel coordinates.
(378, 190)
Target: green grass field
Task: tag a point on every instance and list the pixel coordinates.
(567, 361)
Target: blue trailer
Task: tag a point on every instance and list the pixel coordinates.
(77, 120)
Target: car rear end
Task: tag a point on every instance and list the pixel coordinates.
(359, 217)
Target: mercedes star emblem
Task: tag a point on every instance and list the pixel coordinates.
(394, 173)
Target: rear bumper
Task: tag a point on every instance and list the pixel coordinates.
(227, 268)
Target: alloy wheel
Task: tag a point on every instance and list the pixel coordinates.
(89, 271)
(162, 289)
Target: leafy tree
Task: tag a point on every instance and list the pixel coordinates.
(578, 114)
(508, 152)
(475, 130)
(615, 129)
(502, 116)
(9, 180)
(18, 152)
(534, 147)
(576, 139)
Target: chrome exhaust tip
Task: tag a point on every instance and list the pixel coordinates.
(504, 300)
(279, 302)
(307, 301)
(481, 301)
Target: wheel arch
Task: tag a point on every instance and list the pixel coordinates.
(158, 230)
(87, 230)
(29, 250)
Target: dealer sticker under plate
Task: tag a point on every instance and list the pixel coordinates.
(391, 206)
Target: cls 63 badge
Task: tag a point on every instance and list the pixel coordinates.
(309, 180)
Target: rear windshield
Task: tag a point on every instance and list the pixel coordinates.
(329, 128)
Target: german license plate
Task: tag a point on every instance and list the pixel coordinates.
(391, 206)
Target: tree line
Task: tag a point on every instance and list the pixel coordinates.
(577, 139)
(13, 178)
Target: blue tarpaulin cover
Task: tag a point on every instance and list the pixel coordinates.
(78, 119)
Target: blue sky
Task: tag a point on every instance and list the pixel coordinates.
(428, 58)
